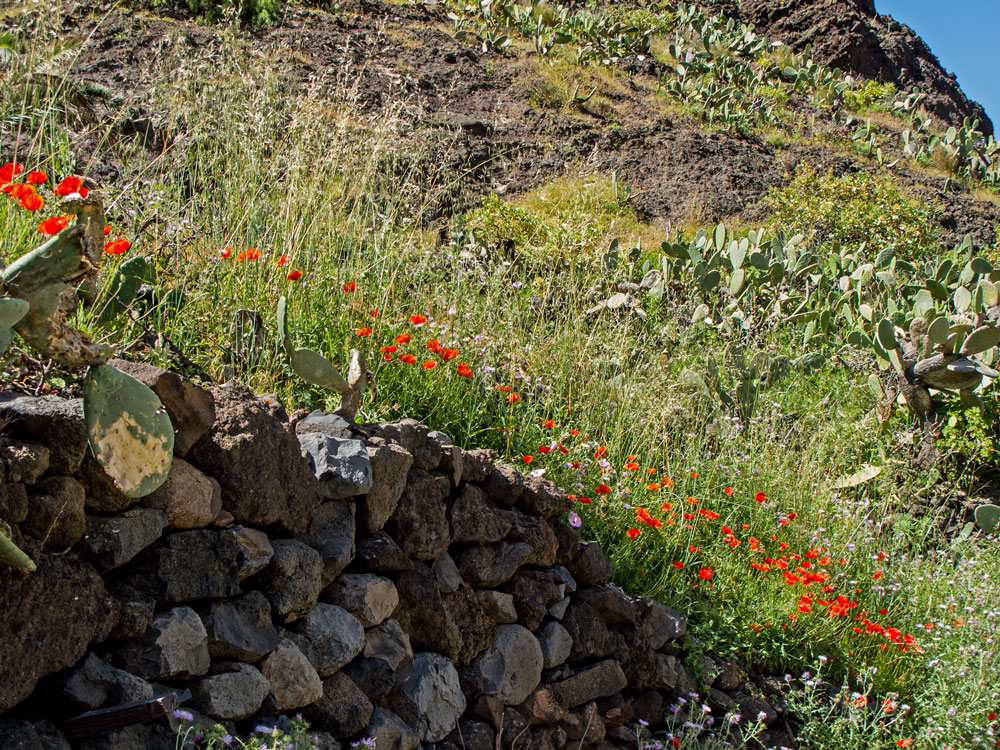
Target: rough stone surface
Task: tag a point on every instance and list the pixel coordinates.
(544, 498)
(137, 737)
(343, 708)
(327, 423)
(341, 465)
(368, 597)
(568, 540)
(477, 464)
(419, 524)
(475, 519)
(191, 409)
(329, 637)
(451, 464)
(556, 644)
(473, 622)
(52, 421)
(294, 683)
(188, 497)
(247, 437)
(174, 647)
(380, 554)
(50, 618)
(591, 637)
(422, 614)
(255, 550)
(388, 642)
(446, 572)
(191, 566)
(240, 629)
(24, 462)
(611, 603)
(511, 668)
(488, 567)
(88, 685)
(55, 514)
(659, 623)
(17, 734)
(390, 464)
(135, 611)
(537, 534)
(102, 494)
(413, 437)
(533, 592)
(498, 606)
(600, 680)
(293, 580)
(590, 564)
(503, 485)
(331, 533)
(112, 541)
(390, 732)
(429, 696)
(13, 502)
(232, 692)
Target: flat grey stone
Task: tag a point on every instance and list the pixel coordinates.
(341, 465)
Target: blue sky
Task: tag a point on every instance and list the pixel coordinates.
(963, 35)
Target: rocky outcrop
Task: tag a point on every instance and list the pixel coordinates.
(376, 578)
(851, 35)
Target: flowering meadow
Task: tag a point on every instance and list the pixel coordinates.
(879, 619)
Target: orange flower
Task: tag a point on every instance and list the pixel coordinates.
(705, 573)
(71, 185)
(654, 486)
(729, 491)
(602, 489)
(402, 338)
(53, 225)
(249, 254)
(464, 370)
(408, 358)
(693, 475)
(36, 178)
(117, 247)
(513, 398)
(363, 331)
(678, 564)
(430, 364)
(584, 500)
(418, 320)
(601, 450)
(527, 459)
(32, 202)
(223, 253)
(388, 349)
(633, 533)
(632, 466)
(349, 286)
(548, 424)
(447, 354)
(373, 313)
(9, 171)
(281, 261)
(905, 742)
(387, 357)
(107, 230)
(294, 276)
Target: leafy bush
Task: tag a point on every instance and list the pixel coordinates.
(853, 209)
(253, 12)
(868, 95)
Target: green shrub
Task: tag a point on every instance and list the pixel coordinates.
(868, 95)
(252, 12)
(853, 209)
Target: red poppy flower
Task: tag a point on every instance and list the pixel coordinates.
(544, 449)
(418, 320)
(36, 178)
(32, 202)
(527, 459)
(249, 254)
(633, 533)
(729, 491)
(107, 229)
(387, 357)
(53, 225)
(513, 398)
(388, 349)
(693, 475)
(9, 171)
(117, 247)
(678, 564)
(281, 261)
(602, 489)
(601, 450)
(20, 190)
(760, 497)
(70, 185)
(705, 573)
(403, 338)
(430, 364)
(632, 466)
(653, 487)
(363, 331)
(349, 286)
(877, 574)
(433, 344)
(447, 354)
(373, 313)
(408, 358)
(294, 276)
(904, 742)
(548, 424)
(223, 253)
(584, 500)
(464, 370)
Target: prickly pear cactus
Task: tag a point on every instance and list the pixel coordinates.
(129, 430)
(11, 555)
(318, 370)
(988, 518)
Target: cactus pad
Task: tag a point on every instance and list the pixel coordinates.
(11, 311)
(129, 430)
(988, 518)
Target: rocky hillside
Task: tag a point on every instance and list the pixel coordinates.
(851, 35)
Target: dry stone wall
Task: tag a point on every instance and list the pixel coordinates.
(376, 578)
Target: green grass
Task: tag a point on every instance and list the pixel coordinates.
(507, 284)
